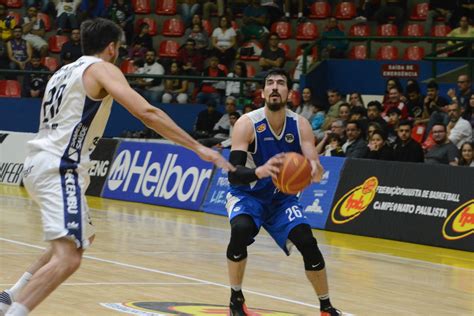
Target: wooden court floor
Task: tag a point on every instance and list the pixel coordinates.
(147, 257)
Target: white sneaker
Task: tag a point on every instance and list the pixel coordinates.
(361, 18)
(6, 301)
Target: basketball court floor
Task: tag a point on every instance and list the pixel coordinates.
(149, 260)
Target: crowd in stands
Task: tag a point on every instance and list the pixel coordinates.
(247, 39)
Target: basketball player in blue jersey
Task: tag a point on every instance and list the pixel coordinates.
(259, 140)
(75, 110)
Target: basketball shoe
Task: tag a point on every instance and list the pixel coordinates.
(5, 301)
(331, 311)
(237, 304)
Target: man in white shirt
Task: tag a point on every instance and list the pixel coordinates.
(459, 129)
(34, 30)
(150, 88)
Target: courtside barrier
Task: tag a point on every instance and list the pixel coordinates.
(419, 203)
(101, 160)
(215, 200)
(156, 173)
(12, 155)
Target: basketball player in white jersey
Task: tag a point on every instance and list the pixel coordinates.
(74, 113)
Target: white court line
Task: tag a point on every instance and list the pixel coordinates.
(283, 299)
(118, 283)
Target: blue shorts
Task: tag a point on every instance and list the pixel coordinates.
(278, 217)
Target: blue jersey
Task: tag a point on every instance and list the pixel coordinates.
(266, 145)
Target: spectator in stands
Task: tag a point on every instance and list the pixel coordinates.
(187, 10)
(35, 84)
(90, 9)
(372, 127)
(374, 114)
(274, 10)
(211, 91)
(34, 30)
(66, 17)
(359, 114)
(415, 101)
(191, 59)
(469, 114)
(378, 147)
(434, 108)
(150, 88)
(224, 40)
(439, 9)
(221, 130)
(463, 8)
(175, 89)
(205, 121)
(392, 9)
(334, 146)
(444, 151)
(4, 61)
(344, 112)
(199, 36)
(248, 108)
(317, 120)
(137, 52)
(464, 92)
(213, 5)
(466, 155)
(355, 99)
(143, 37)
(121, 12)
(406, 148)
(306, 108)
(335, 101)
(355, 145)
(226, 143)
(394, 101)
(232, 88)
(19, 50)
(367, 9)
(463, 31)
(310, 60)
(72, 50)
(333, 48)
(7, 24)
(391, 83)
(459, 130)
(394, 115)
(254, 22)
(272, 56)
(45, 6)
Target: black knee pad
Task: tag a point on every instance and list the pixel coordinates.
(302, 237)
(243, 230)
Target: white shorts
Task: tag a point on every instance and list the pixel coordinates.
(59, 187)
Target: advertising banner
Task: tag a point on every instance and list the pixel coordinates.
(12, 155)
(317, 198)
(159, 174)
(215, 200)
(101, 159)
(420, 203)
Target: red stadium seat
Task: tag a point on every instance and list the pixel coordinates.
(46, 20)
(387, 30)
(361, 29)
(440, 30)
(417, 132)
(13, 3)
(286, 48)
(387, 52)
(251, 44)
(56, 42)
(414, 53)
(294, 97)
(173, 27)
(168, 49)
(414, 30)
(50, 62)
(358, 52)
(307, 31)
(283, 29)
(151, 23)
(16, 16)
(141, 6)
(207, 26)
(10, 89)
(299, 52)
(166, 7)
(345, 10)
(420, 11)
(251, 71)
(320, 10)
(128, 67)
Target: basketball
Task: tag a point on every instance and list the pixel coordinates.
(294, 175)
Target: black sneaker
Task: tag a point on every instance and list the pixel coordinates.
(5, 302)
(237, 305)
(331, 311)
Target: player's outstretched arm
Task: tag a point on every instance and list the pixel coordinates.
(113, 82)
(309, 149)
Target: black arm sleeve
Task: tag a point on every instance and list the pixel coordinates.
(242, 175)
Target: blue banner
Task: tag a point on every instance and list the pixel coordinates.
(317, 198)
(160, 174)
(216, 194)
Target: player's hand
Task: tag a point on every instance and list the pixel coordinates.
(317, 171)
(271, 168)
(213, 156)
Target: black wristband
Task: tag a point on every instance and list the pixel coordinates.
(242, 174)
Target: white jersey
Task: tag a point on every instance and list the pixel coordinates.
(71, 123)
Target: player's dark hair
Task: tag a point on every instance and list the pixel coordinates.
(278, 72)
(97, 34)
(405, 122)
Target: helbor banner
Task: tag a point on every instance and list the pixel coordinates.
(420, 203)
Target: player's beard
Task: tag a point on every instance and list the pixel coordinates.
(276, 106)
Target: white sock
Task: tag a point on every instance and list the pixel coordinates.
(300, 14)
(236, 287)
(17, 309)
(20, 284)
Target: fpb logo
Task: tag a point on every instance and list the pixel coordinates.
(460, 223)
(354, 202)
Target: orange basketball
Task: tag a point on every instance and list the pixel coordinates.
(295, 174)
